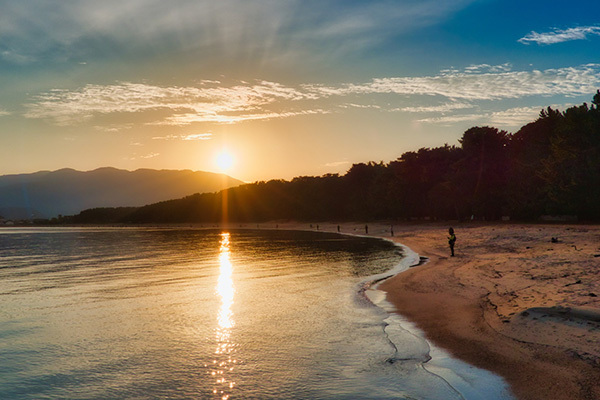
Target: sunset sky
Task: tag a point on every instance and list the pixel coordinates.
(286, 87)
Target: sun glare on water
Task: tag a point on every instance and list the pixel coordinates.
(224, 161)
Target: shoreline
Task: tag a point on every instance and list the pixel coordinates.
(481, 305)
(511, 302)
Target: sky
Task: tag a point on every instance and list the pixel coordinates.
(284, 88)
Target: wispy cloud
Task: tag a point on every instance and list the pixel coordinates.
(353, 105)
(186, 104)
(449, 120)
(337, 163)
(561, 35)
(192, 136)
(198, 136)
(190, 118)
(150, 155)
(14, 57)
(486, 68)
(135, 156)
(465, 85)
(4, 112)
(114, 128)
(214, 102)
(510, 118)
(168, 137)
(442, 108)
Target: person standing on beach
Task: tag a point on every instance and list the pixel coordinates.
(451, 240)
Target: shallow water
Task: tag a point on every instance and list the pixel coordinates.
(196, 314)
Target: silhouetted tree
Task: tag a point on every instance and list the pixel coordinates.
(549, 166)
(529, 150)
(481, 175)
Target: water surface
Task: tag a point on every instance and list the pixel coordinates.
(197, 314)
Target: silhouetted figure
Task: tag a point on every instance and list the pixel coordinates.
(451, 240)
(392, 230)
(367, 229)
(338, 229)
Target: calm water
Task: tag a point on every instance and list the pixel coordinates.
(193, 314)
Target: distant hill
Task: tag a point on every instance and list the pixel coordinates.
(48, 194)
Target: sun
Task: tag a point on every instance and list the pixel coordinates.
(225, 160)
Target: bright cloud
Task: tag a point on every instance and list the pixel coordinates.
(560, 35)
(190, 118)
(482, 68)
(189, 104)
(193, 136)
(452, 119)
(511, 118)
(352, 105)
(456, 84)
(198, 136)
(151, 155)
(337, 163)
(213, 102)
(442, 108)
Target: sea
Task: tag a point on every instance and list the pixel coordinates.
(186, 313)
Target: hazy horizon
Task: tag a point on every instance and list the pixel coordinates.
(108, 167)
(284, 89)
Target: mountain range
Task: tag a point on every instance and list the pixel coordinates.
(47, 194)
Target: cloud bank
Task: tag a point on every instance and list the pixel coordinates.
(213, 102)
(186, 104)
(465, 85)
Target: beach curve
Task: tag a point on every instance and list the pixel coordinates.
(482, 306)
(463, 305)
(478, 305)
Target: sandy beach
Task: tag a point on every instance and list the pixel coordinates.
(513, 300)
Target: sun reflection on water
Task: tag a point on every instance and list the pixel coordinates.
(224, 363)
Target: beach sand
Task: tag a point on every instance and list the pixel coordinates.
(512, 301)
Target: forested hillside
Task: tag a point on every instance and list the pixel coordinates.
(549, 167)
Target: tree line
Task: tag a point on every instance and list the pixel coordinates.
(548, 167)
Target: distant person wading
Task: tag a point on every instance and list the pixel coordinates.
(451, 240)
